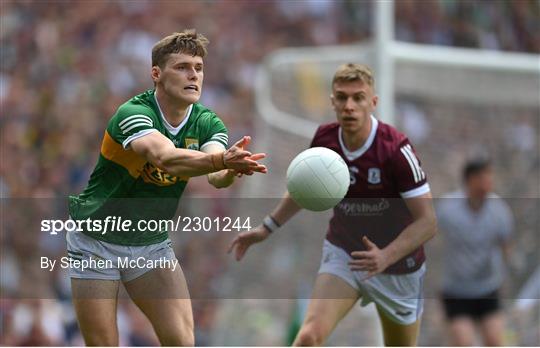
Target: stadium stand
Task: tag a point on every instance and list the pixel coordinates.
(66, 67)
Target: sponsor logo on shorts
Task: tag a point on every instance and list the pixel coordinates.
(403, 314)
(410, 262)
(327, 257)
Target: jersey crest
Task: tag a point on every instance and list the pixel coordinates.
(192, 144)
(374, 176)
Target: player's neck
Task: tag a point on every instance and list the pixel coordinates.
(475, 200)
(356, 139)
(173, 111)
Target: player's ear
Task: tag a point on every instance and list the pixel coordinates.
(375, 101)
(156, 73)
(333, 100)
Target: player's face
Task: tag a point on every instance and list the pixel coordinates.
(353, 102)
(481, 184)
(181, 78)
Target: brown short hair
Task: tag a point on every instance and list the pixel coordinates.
(188, 42)
(475, 166)
(354, 72)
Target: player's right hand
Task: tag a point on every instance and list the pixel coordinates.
(244, 240)
(242, 161)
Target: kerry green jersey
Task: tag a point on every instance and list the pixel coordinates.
(124, 184)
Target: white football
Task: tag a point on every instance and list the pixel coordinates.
(318, 179)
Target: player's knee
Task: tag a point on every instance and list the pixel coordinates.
(177, 339)
(493, 338)
(177, 336)
(493, 341)
(462, 340)
(462, 333)
(101, 337)
(310, 336)
(492, 331)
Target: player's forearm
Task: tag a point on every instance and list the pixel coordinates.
(285, 210)
(412, 237)
(183, 162)
(221, 179)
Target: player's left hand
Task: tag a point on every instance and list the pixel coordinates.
(240, 146)
(373, 260)
(239, 173)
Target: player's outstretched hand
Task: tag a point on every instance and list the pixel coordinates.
(244, 240)
(242, 161)
(373, 260)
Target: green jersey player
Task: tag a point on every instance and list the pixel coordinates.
(152, 145)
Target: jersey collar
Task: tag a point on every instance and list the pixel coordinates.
(352, 155)
(168, 126)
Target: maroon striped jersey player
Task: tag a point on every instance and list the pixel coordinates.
(383, 171)
(379, 227)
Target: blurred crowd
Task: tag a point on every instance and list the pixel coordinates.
(497, 24)
(66, 67)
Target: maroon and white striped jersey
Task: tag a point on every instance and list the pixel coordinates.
(383, 172)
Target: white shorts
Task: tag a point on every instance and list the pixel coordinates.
(112, 261)
(398, 295)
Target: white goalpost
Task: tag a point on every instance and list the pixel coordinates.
(394, 63)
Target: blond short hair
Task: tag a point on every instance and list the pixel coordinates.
(187, 42)
(354, 72)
